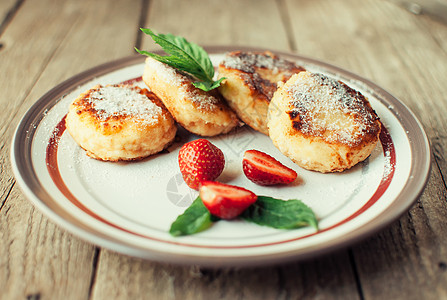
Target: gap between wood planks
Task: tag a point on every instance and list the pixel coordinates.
(94, 271)
(3, 24)
(9, 16)
(96, 257)
(285, 17)
(142, 21)
(7, 194)
(437, 156)
(355, 271)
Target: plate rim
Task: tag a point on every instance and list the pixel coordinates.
(30, 186)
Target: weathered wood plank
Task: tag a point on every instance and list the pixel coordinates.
(40, 261)
(139, 279)
(229, 22)
(385, 43)
(328, 278)
(22, 58)
(48, 42)
(376, 44)
(8, 8)
(409, 260)
(438, 131)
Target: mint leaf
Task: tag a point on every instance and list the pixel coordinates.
(196, 218)
(280, 214)
(184, 56)
(266, 211)
(208, 86)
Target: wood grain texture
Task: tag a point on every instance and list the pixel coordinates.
(22, 69)
(8, 9)
(140, 279)
(385, 44)
(408, 260)
(217, 22)
(50, 41)
(237, 24)
(38, 259)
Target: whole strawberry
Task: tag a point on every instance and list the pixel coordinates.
(200, 160)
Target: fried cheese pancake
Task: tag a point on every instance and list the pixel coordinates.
(251, 80)
(120, 123)
(321, 123)
(200, 112)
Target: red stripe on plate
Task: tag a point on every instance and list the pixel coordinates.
(132, 81)
(53, 170)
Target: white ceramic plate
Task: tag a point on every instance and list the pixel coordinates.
(128, 207)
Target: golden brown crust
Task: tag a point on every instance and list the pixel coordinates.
(112, 131)
(251, 80)
(303, 108)
(200, 112)
(322, 124)
(113, 123)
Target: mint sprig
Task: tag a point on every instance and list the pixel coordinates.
(266, 211)
(184, 56)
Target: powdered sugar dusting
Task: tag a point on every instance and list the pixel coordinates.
(111, 101)
(202, 100)
(388, 165)
(248, 62)
(186, 90)
(164, 72)
(325, 107)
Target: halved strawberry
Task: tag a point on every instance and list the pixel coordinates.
(200, 160)
(263, 169)
(225, 201)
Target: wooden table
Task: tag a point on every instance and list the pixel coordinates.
(45, 42)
